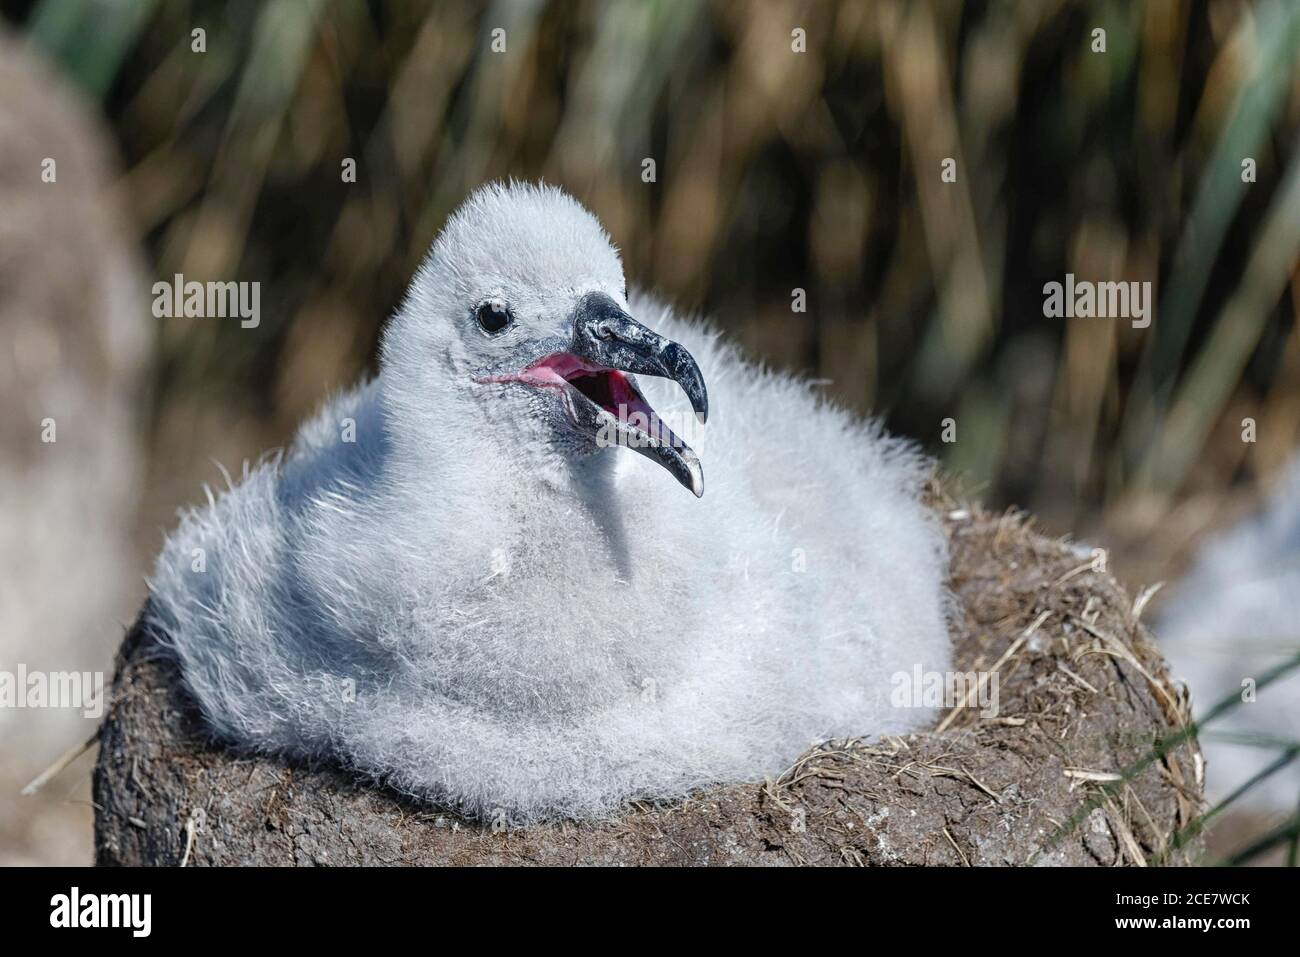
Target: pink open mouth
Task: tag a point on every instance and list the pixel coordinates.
(609, 389)
(605, 405)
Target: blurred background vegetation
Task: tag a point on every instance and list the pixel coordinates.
(776, 171)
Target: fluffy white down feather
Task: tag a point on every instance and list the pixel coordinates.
(454, 606)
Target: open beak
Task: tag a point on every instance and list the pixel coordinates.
(603, 402)
(604, 334)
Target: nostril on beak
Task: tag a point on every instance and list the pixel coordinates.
(602, 330)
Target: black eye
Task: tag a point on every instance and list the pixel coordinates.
(494, 315)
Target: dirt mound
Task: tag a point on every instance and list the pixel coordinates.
(1064, 773)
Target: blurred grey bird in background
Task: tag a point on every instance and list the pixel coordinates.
(76, 343)
(1235, 616)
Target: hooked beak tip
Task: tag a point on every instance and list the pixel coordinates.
(695, 475)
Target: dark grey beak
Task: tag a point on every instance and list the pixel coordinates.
(605, 335)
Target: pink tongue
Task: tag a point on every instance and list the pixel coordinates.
(627, 404)
(630, 408)
(624, 396)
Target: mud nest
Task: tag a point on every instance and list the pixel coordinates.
(1066, 772)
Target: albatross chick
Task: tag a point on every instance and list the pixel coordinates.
(452, 584)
